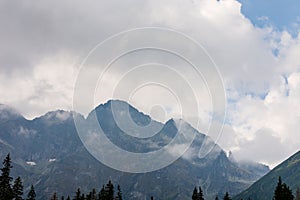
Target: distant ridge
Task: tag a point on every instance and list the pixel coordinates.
(53, 137)
(263, 189)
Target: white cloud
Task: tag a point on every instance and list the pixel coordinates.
(50, 87)
(278, 112)
(42, 52)
(262, 148)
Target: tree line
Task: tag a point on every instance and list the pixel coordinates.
(11, 189)
(281, 192)
(106, 193)
(198, 195)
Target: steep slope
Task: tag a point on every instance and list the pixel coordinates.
(48, 152)
(264, 188)
(251, 166)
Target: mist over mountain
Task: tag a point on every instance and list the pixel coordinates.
(48, 153)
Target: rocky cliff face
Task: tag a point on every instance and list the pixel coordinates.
(48, 153)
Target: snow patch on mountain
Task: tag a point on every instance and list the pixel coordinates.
(31, 163)
(52, 159)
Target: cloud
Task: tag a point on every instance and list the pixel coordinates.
(48, 88)
(49, 31)
(44, 43)
(270, 121)
(7, 112)
(26, 132)
(261, 148)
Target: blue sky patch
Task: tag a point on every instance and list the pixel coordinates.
(283, 15)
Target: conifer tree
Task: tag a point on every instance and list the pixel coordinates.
(217, 198)
(54, 197)
(78, 194)
(200, 194)
(109, 190)
(226, 197)
(287, 192)
(18, 189)
(93, 194)
(195, 194)
(5, 180)
(282, 191)
(31, 194)
(102, 193)
(297, 194)
(119, 193)
(88, 196)
(68, 198)
(278, 190)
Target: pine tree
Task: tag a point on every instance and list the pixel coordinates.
(195, 194)
(200, 194)
(102, 194)
(31, 194)
(5, 180)
(93, 194)
(119, 193)
(18, 189)
(297, 194)
(68, 198)
(226, 197)
(78, 194)
(287, 192)
(54, 197)
(217, 198)
(109, 190)
(282, 191)
(89, 196)
(278, 190)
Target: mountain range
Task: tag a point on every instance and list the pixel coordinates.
(48, 153)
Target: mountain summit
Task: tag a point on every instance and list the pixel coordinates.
(49, 153)
(7, 113)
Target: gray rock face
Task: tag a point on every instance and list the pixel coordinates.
(48, 153)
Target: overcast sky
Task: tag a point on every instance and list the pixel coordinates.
(43, 45)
